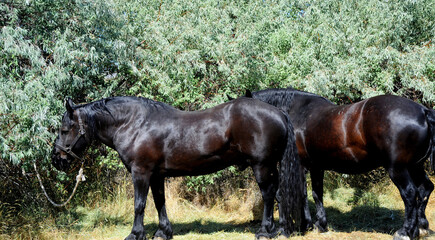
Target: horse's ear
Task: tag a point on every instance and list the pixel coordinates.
(248, 93)
(229, 97)
(69, 105)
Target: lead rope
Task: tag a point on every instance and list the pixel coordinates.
(79, 178)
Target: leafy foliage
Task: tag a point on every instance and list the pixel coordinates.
(348, 51)
(191, 54)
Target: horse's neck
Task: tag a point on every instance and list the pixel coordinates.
(305, 103)
(106, 126)
(313, 98)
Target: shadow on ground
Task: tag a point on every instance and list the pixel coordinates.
(360, 218)
(365, 219)
(208, 227)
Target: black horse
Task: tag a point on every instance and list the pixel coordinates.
(389, 131)
(155, 140)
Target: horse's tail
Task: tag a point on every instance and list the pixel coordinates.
(291, 186)
(430, 116)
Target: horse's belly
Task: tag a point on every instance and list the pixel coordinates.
(352, 167)
(346, 160)
(200, 165)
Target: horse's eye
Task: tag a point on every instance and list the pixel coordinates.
(64, 132)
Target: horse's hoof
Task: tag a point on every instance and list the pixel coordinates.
(158, 238)
(397, 236)
(319, 229)
(282, 237)
(133, 237)
(130, 237)
(423, 232)
(263, 238)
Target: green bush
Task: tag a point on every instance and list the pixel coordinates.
(348, 51)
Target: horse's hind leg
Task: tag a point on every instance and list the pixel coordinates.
(158, 189)
(408, 191)
(317, 184)
(141, 186)
(267, 179)
(424, 188)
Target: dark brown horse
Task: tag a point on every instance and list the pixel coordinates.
(388, 131)
(155, 140)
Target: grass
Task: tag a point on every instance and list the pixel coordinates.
(374, 215)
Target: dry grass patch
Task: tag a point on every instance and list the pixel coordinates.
(374, 215)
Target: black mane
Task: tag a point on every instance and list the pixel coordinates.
(101, 109)
(102, 103)
(281, 97)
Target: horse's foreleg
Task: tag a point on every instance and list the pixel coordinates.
(158, 189)
(317, 184)
(267, 179)
(424, 188)
(141, 187)
(307, 222)
(408, 192)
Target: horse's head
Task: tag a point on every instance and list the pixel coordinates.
(73, 138)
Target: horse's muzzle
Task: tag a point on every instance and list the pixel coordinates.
(60, 162)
